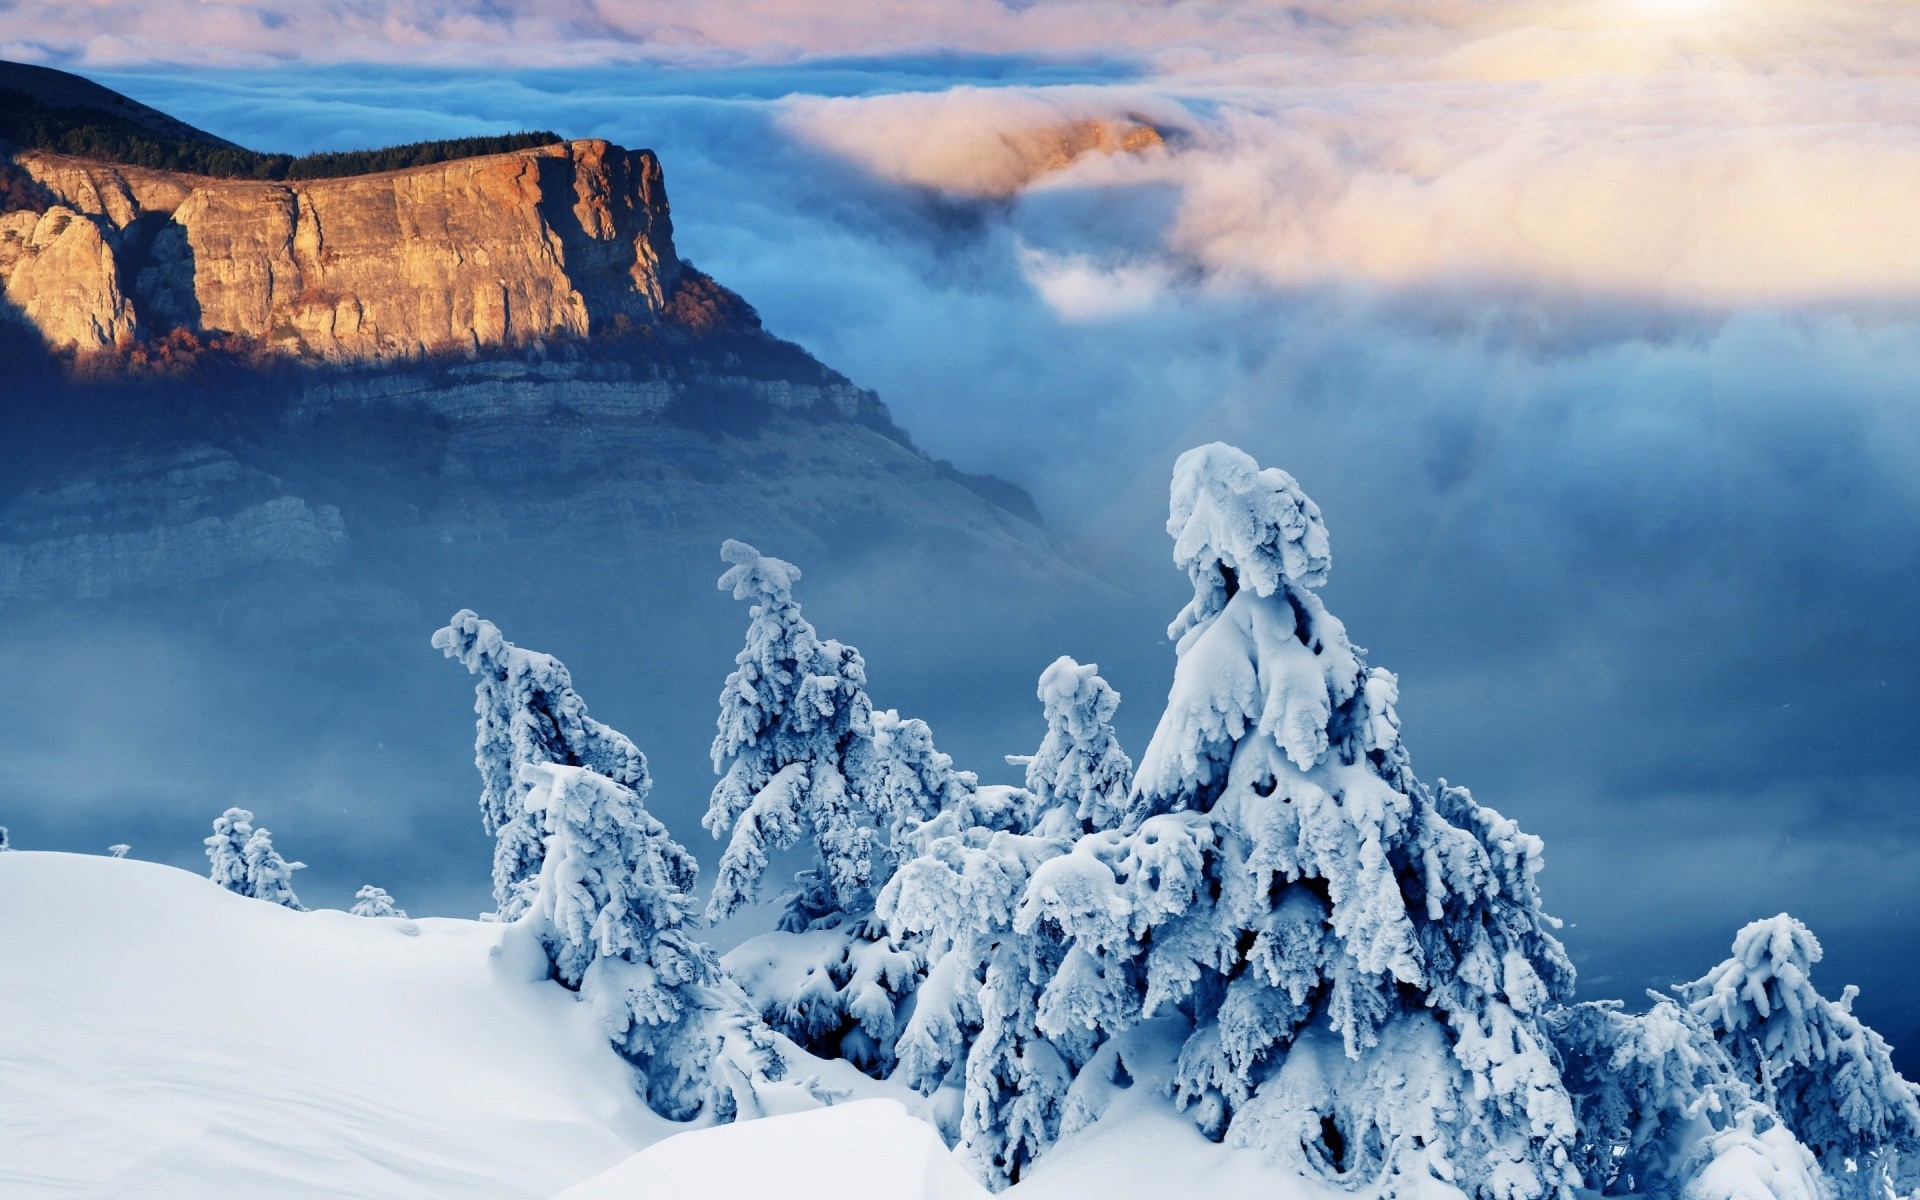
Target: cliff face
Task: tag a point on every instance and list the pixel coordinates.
(503, 250)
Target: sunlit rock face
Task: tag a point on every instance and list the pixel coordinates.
(62, 277)
(563, 240)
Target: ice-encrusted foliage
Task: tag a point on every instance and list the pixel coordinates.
(6, 842)
(1363, 959)
(613, 908)
(802, 756)
(909, 780)
(371, 901)
(1662, 1110)
(978, 1016)
(1828, 1075)
(794, 743)
(269, 876)
(227, 849)
(1079, 771)
(242, 860)
(527, 714)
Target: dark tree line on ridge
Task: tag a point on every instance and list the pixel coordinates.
(83, 132)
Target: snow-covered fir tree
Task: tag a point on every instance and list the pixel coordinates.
(119, 849)
(1362, 960)
(227, 850)
(793, 751)
(242, 859)
(528, 714)
(1829, 1076)
(269, 876)
(1079, 772)
(614, 909)
(5, 841)
(802, 758)
(977, 1016)
(1662, 1110)
(371, 901)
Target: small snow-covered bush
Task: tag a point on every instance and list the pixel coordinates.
(527, 714)
(371, 901)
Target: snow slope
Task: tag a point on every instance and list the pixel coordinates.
(162, 1038)
(862, 1150)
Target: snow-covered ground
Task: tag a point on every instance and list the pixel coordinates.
(163, 1039)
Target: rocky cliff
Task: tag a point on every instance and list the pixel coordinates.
(566, 240)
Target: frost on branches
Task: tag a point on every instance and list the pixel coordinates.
(978, 1015)
(1830, 1078)
(613, 908)
(800, 758)
(528, 714)
(1663, 1111)
(371, 901)
(794, 744)
(1363, 959)
(242, 860)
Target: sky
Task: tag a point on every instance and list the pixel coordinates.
(1592, 325)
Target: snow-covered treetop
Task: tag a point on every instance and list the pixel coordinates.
(1767, 983)
(1080, 766)
(793, 747)
(1830, 1077)
(1235, 525)
(527, 714)
(756, 576)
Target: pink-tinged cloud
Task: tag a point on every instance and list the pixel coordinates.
(1698, 152)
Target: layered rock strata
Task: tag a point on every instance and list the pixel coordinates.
(569, 239)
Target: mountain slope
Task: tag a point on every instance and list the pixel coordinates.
(318, 417)
(49, 88)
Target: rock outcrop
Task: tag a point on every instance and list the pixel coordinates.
(61, 275)
(569, 239)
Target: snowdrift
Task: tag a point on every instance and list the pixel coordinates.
(162, 1038)
(863, 1150)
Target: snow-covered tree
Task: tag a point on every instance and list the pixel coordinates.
(614, 907)
(528, 714)
(793, 752)
(118, 849)
(242, 859)
(1829, 1076)
(1363, 959)
(1079, 771)
(1663, 1112)
(371, 901)
(227, 850)
(269, 877)
(5, 843)
(978, 1013)
(802, 757)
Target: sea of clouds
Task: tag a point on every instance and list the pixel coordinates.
(1594, 327)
